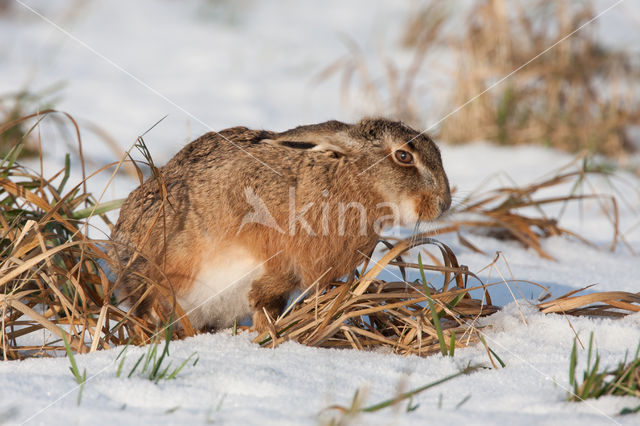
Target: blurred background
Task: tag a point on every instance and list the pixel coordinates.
(118, 67)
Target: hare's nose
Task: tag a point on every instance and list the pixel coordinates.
(444, 204)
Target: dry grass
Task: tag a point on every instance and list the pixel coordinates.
(579, 95)
(520, 213)
(53, 283)
(367, 313)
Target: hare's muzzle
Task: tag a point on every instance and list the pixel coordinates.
(431, 206)
(444, 203)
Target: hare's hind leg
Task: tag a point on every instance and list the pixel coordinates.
(269, 294)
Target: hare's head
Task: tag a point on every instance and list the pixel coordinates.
(406, 168)
(402, 165)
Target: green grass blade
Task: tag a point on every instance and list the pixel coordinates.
(573, 362)
(181, 366)
(11, 158)
(120, 365)
(151, 354)
(165, 351)
(625, 411)
(84, 379)
(434, 313)
(452, 344)
(502, 364)
(74, 367)
(416, 391)
(411, 406)
(464, 401)
(161, 375)
(135, 366)
(591, 377)
(124, 349)
(456, 300)
(65, 178)
(97, 210)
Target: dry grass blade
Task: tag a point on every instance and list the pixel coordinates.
(607, 302)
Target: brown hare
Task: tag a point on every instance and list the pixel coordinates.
(239, 219)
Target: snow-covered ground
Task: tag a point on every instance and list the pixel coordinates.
(216, 64)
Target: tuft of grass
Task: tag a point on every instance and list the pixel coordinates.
(579, 95)
(52, 278)
(597, 381)
(576, 96)
(53, 275)
(356, 407)
(154, 367)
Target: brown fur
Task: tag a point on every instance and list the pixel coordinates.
(205, 204)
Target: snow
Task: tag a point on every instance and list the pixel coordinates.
(292, 384)
(217, 65)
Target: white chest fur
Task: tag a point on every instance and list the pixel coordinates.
(219, 292)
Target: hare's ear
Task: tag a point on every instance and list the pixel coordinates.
(322, 146)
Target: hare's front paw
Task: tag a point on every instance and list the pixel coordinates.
(261, 323)
(268, 297)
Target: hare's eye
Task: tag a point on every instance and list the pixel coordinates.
(403, 157)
